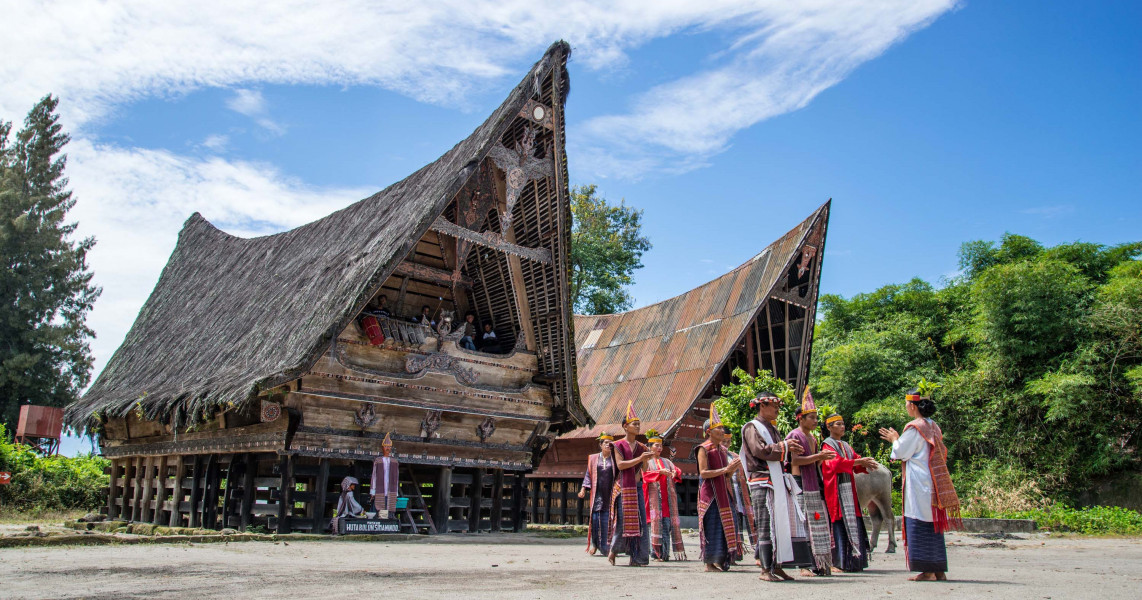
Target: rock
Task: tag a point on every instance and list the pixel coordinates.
(32, 528)
(228, 531)
(93, 518)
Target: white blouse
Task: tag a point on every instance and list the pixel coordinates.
(913, 450)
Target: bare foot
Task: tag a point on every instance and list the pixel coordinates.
(611, 558)
(923, 577)
(767, 576)
(941, 576)
(757, 562)
(782, 574)
(838, 570)
(712, 569)
(807, 573)
(592, 550)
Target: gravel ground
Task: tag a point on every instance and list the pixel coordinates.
(530, 566)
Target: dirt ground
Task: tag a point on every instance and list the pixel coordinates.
(529, 566)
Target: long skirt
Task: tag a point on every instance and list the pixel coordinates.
(843, 552)
(662, 552)
(599, 521)
(638, 548)
(715, 550)
(924, 547)
(765, 549)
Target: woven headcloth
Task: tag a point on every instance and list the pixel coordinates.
(630, 416)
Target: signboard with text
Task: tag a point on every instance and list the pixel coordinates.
(352, 526)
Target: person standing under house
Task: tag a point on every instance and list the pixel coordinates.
(850, 548)
(772, 491)
(629, 532)
(931, 505)
(743, 513)
(720, 543)
(806, 470)
(600, 480)
(658, 479)
(385, 485)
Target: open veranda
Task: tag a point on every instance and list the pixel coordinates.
(530, 565)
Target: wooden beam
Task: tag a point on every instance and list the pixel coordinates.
(750, 359)
(441, 277)
(320, 496)
(399, 308)
(177, 491)
(518, 493)
(563, 485)
(476, 498)
(137, 490)
(228, 494)
(248, 491)
(515, 270)
(209, 492)
(443, 499)
(491, 240)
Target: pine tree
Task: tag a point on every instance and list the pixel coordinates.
(45, 285)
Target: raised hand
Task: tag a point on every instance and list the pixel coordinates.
(794, 447)
(889, 435)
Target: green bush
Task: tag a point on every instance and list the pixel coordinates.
(52, 483)
(1093, 520)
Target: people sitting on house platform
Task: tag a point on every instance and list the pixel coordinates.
(468, 337)
(425, 317)
(488, 341)
(379, 307)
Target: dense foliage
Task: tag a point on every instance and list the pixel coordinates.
(1038, 352)
(606, 249)
(45, 286)
(50, 483)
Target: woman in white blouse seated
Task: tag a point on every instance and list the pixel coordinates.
(931, 506)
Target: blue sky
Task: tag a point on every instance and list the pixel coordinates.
(928, 122)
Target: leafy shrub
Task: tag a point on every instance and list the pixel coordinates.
(50, 483)
(1092, 520)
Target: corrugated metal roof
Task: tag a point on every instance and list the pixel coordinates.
(663, 356)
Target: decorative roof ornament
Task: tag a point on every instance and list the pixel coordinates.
(519, 166)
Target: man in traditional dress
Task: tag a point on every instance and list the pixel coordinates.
(385, 485)
(931, 505)
(629, 532)
(772, 491)
(599, 481)
(806, 470)
(720, 542)
(850, 541)
(658, 479)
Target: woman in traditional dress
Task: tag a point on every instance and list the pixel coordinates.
(931, 506)
(850, 547)
(347, 505)
(599, 480)
(716, 529)
(658, 479)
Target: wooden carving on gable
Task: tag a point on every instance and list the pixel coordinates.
(520, 166)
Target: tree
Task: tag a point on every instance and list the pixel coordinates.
(45, 285)
(606, 249)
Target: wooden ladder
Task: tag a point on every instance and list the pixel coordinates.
(421, 508)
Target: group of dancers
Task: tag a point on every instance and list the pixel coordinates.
(794, 500)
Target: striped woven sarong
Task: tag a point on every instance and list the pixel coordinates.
(818, 523)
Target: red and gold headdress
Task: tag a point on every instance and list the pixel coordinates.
(387, 444)
(833, 418)
(807, 405)
(715, 419)
(653, 437)
(764, 398)
(630, 416)
(606, 437)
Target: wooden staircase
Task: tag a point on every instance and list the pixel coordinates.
(417, 518)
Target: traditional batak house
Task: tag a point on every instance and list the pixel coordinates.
(262, 371)
(671, 358)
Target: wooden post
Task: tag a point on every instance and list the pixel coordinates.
(547, 505)
(285, 494)
(177, 491)
(498, 501)
(319, 498)
(518, 492)
(148, 488)
(475, 498)
(137, 490)
(160, 491)
(113, 491)
(582, 517)
(750, 359)
(443, 499)
(195, 491)
(228, 493)
(248, 491)
(210, 492)
(533, 508)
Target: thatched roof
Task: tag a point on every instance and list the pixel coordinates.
(664, 356)
(231, 316)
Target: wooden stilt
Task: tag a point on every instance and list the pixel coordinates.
(318, 515)
(113, 491)
(497, 517)
(195, 516)
(228, 493)
(210, 492)
(248, 491)
(519, 493)
(443, 499)
(285, 494)
(137, 490)
(177, 491)
(563, 501)
(476, 499)
(160, 500)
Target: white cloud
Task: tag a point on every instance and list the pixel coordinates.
(135, 201)
(247, 102)
(216, 142)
